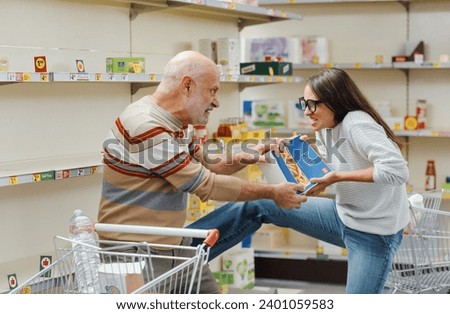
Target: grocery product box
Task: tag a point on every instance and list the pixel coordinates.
(208, 48)
(228, 55)
(258, 49)
(125, 65)
(298, 163)
(314, 50)
(120, 278)
(266, 68)
(239, 268)
(267, 113)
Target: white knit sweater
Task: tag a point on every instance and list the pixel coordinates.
(358, 142)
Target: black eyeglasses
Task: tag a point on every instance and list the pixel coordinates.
(311, 104)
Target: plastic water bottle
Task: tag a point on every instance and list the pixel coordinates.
(85, 254)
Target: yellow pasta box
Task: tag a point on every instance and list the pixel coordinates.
(298, 164)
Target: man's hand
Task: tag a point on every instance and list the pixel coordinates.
(287, 196)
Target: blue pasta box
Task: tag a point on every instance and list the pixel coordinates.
(298, 163)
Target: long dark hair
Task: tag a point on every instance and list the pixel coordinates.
(340, 93)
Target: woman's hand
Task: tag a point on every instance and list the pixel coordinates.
(322, 183)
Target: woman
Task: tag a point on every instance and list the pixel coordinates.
(369, 175)
(370, 210)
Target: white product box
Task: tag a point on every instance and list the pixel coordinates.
(241, 265)
(314, 50)
(208, 47)
(121, 278)
(228, 55)
(257, 49)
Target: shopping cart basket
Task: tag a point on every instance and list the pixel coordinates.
(422, 263)
(126, 267)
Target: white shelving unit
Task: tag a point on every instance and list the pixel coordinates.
(56, 120)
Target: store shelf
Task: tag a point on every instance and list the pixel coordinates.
(294, 252)
(49, 169)
(423, 133)
(375, 66)
(247, 15)
(137, 80)
(423, 65)
(281, 2)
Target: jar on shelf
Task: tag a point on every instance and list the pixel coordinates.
(430, 176)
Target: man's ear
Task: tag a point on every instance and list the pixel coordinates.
(187, 82)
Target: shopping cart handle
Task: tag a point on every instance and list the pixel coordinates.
(210, 236)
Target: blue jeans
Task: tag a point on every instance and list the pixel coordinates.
(369, 255)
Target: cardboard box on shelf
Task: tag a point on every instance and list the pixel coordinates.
(314, 50)
(266, 68)
(268, 113)
(286, 49)
(269, 237)
(208, 48)
(125, 65)
(228, 55)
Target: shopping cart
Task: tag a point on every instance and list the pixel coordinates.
(126, 267)
(422, 263)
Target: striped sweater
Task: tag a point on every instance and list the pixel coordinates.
(150, 166)
(358, 142)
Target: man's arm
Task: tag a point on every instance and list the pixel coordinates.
(231, 163)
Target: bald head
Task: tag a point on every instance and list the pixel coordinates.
(186, 63)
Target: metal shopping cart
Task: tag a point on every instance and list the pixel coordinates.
(422, 263)
(127, 267)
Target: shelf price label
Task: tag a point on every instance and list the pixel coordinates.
(45, 77)
(36, 177)
(26, 76)
(94, 170)
(25, 290)
(152, 77)
(79, 77)
(358, 65)
(279, 79)
(98, 76)
(13, 180)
